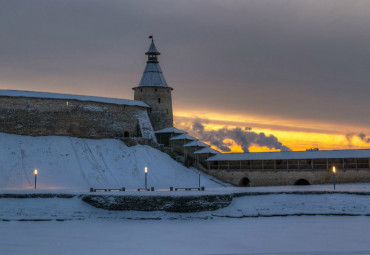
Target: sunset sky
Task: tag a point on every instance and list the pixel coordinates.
(296, 70)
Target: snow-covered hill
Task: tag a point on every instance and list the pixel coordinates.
(66, 163)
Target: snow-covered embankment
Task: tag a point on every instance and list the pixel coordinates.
(74, 164)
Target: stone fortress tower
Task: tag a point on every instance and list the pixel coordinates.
(154, 91)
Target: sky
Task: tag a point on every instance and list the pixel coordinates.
(293, 72)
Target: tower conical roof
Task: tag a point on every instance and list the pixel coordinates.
(152, 75)
(152, 49)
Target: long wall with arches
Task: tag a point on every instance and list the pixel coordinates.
(289, 177)
(312, 166)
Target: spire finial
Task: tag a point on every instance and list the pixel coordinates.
(152, 51)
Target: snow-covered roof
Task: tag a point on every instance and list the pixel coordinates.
(170, 130)
(196, 144)
(206, 151)
(183, 137)
(153, 76)
(107, 100)
(283, 155)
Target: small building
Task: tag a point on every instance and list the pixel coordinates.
(203, 154)
(164, 135)
(177, 143)
(190, 148)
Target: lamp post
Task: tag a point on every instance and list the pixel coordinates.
(199, 179)
(35, 173)
(334, 179)
(146, 174)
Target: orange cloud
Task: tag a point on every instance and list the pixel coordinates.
(300, 136)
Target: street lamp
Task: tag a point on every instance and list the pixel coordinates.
(334, 179)
(35, 173)
(199, 179)
(146, 174)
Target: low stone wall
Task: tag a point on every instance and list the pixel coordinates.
(289, 177)
(36, 195)
(49, 117)
(177, 204)
(180, 204)
(132, 141)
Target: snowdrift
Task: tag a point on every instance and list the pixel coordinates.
(66, 163)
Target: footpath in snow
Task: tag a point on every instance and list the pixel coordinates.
(267, 205)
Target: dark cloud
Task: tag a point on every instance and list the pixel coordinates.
(182, 119)
(361, 135)
(287, 59)
(364, 137)
(243, 137)
(349, 137)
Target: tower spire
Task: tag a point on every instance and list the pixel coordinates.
(152, 75)
(152, 52)
(154, 91)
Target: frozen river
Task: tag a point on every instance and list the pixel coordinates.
(276, 235)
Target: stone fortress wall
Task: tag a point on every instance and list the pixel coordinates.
(159, 98)
(255, 178)
(70, 117)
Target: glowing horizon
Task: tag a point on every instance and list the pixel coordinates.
(297, 136)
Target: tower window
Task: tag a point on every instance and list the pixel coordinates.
(155, 89)
(141, 90)
(159, 100)
(167, 111)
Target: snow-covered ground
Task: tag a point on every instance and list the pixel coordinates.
(306, 235)
(71, 226)
(74, 164)
(15, 209)
(241, 228)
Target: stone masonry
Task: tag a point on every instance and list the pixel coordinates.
(159, 98)
(85, 119)
(289, 177)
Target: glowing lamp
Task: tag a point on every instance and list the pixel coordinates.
(35, 173)
(334, 179)
(146, 173)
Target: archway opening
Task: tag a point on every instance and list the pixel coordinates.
(126, 134)
(244, 182)
(302, 182)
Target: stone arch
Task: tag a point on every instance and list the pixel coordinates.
(244, 182)
(302, 182)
